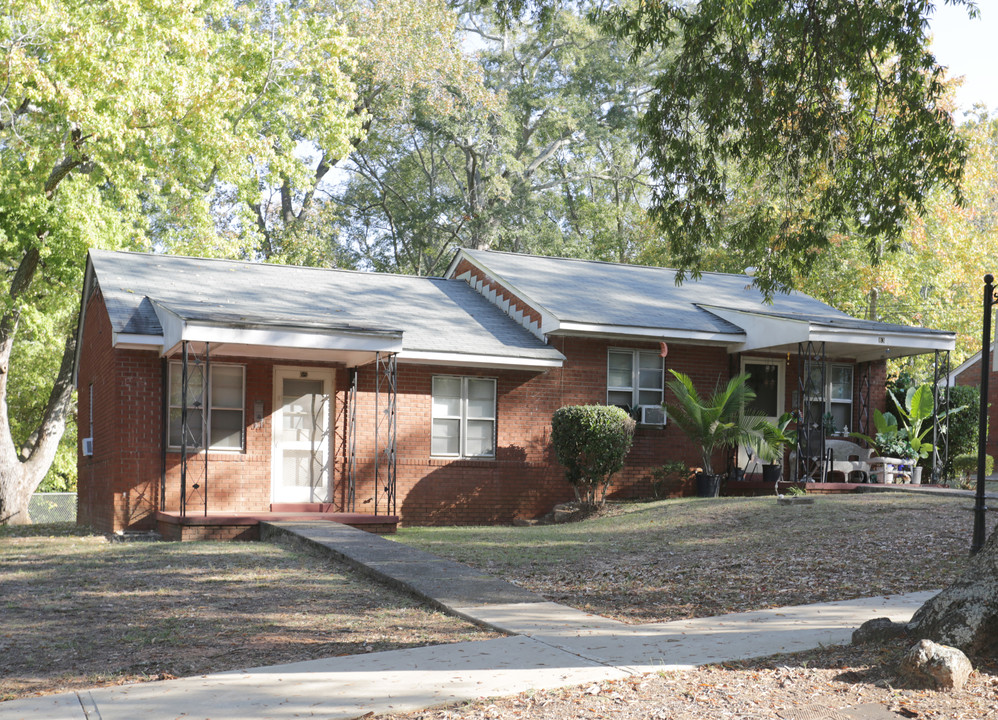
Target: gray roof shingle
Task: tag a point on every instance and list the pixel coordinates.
(434, 314)
(602, 293)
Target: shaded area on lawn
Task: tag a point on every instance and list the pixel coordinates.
(79, 610)
(685, 558)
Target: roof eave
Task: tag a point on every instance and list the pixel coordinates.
(504, 362)
(655, 334)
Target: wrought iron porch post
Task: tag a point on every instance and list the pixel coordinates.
(810, 430)
(386, 386)
(188, 438)
(940, 406)
(351, 499)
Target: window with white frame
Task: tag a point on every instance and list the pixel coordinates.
(834, 399)
(634, 378)
(463, 417)
(223, 403)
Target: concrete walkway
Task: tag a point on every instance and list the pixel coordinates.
(550, 646)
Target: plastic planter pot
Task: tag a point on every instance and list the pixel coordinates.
(772, 473)
(708, 485)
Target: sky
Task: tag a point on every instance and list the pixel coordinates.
(969, 48)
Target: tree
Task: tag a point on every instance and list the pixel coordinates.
(124, 134)
(934, 278)
(408, 55)
(541, 157)
(833, 109)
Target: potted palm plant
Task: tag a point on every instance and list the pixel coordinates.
(775, 439)
(714, 423)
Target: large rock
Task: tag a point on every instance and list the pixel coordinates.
(931, 665)
(878, 630)
(965, 615)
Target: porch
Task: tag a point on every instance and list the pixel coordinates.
(760, 488)
(177, 526)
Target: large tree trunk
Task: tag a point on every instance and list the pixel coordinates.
(22, 470)
(965, 615)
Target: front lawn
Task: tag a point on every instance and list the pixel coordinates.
(673, 559)
(80, 611)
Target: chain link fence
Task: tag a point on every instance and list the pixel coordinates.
(53, 507)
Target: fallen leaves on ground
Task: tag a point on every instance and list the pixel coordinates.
(80, 611)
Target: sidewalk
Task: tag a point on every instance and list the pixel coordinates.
(550, 646)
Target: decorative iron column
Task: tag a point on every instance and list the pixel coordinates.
(351, 495)
(865, 407)
(385, 431)
(195, 371)
(940, 406)
(810, 430)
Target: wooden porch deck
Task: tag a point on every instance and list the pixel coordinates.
(226, 525)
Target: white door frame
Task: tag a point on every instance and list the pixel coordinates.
(282, 372)
(781, 395)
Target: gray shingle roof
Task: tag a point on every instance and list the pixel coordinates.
(435, 315)
(601, 293)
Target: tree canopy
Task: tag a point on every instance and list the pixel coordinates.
(831, 112)
(131, 134)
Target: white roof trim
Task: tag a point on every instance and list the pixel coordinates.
(967, 364)
(134, 341)
(652, 333)
(425, 357)
(763, 331)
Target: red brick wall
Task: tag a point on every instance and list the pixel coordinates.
(120, 484)
(971, 377)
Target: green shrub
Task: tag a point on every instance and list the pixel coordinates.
(672, 473)
(965, 468)
(962, 427)
(591, 441)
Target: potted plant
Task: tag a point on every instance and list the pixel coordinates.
(713, 423)
(775, 439)
(917, 410)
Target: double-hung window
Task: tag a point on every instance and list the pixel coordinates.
(222, 402)
(635, 378)
(833, 401)
(463, 417)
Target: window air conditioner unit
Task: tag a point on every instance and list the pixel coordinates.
(88, 446)
(652, 415)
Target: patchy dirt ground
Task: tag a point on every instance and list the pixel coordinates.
(80, 611)
(819, 685)
(676, 559)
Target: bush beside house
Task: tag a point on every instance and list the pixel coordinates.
(591, 442)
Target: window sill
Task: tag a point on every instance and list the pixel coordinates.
(468, 461)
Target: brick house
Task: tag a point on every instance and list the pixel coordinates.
(969, 373)
(212, 389)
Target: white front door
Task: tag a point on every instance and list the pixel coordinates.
(302, 419)
(768, 381)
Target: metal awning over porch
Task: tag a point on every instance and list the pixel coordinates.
(841, 336)
(258, 337)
